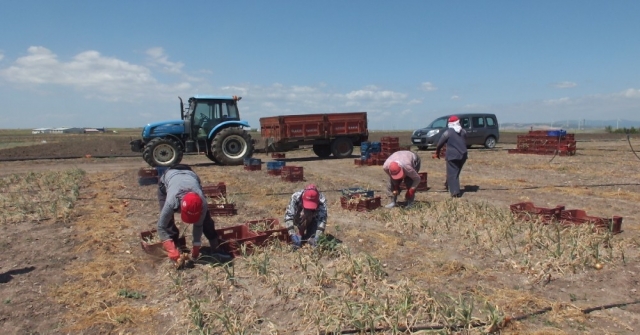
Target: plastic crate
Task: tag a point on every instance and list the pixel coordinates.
(274, 172)
(145, 181)
(422, 186)
(527, 210)
(222, 209)
(235, 238)
(356, 192)
(292, 173)
(252, 161)
(215, 190)
(147, 172)
(278, 155)
(359, 161)
(253, 167)
(275, 165)
(389, 139)
(578, 216)
(360, 204)
(156, 249)
(269, 229)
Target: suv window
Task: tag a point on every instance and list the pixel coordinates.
(491, 122)
(464, 122)
(478, 121)
(439, 123)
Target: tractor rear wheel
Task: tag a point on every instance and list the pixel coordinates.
(342, 147)
(231, 146)
(322, 150)
(162, 152)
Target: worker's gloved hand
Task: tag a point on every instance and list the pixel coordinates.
(411, 194)
(297, 242)
(171, 249)
(195, 252)
(435, 155)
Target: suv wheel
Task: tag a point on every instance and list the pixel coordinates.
(490, 142)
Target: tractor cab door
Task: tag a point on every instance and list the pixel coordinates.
(207, 114)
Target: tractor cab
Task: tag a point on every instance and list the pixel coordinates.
(204, 113)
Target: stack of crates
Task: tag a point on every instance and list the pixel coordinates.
(292, 173)
(274, 168)
(546, 142)
(388, 145)
(422, 186)
(252, 164)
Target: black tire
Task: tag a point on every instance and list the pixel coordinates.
(211, 157)
(422, 147)
(468, 146)
(490, 142)
(231, 146)
(162, 152)
(342, 147)
(322, 150)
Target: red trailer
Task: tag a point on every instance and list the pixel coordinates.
(330, 134)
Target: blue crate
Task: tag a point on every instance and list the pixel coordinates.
(252, 161)
(376, 147)
(275, 165)
(557, 133)
(365, 156)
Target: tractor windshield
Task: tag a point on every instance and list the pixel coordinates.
(209, 113)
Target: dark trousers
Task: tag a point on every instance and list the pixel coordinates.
(454, 167)
(208, 226)
(392, 184)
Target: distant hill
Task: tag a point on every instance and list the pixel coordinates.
(572, 124)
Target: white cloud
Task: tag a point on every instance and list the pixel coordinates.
(565, 84)
(159, 58)
(560, 101)
(1, 56)
(630, 93)
(428, 87)
(373, 93)
(455, 97)
(90, 72)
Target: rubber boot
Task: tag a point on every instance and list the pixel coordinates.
(392, 203)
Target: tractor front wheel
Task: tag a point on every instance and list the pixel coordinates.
(162, 152)
(231, 146)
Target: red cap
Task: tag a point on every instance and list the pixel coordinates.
(453, 118)
(396, 170)
(191, 208)
(310, 197)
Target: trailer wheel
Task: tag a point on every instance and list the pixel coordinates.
(342, 147)
(162, 152)
(322, 150)
(231, 146)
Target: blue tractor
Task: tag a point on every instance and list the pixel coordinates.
(209, 124)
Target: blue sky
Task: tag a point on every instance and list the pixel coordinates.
(124, 63)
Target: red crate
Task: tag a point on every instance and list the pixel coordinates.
(235, 237)
(278, 155)
(578, 216)
(527, 210)
(215, 190)
(359, 162)
(274, 172)
(222, 209)
(422, 186)
(147, 172)
(389, 139)
(156, 249)
(274, 231)
(292, 173)
(253, 167)
(360, 204)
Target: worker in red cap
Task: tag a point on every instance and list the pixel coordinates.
(401, 166)
(456, 155)
(306, 216)
(180, 190)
